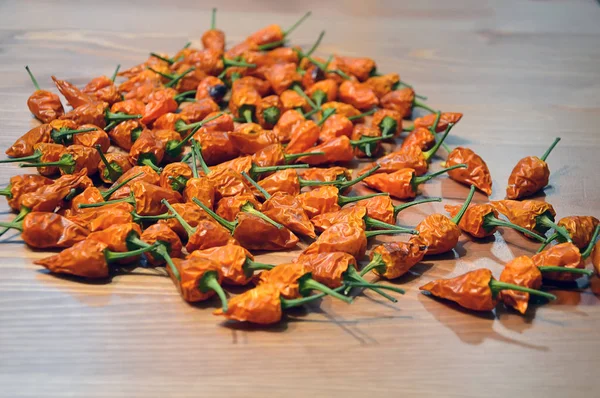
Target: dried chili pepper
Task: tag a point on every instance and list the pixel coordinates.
(103, 89)
(392, 260)
(428, 121)
(43, 230)
(112, 165)
(359, 95)
(476, 173)
(369, 150)
(340, 149)
(250, 138)
(268, 111)
(254, 230)
(322, 91)
(403, 101)
(305, 134)
(44, 105)
(336, 126)
(147, 150)
(404, 183)
(481, 220)
(388, 121)
(74, 159)
(383, 84)
(522, 271)
(142, 173)
(422, 138)
(286, 122)
(86, 259)
(21, 184)
(294, 280)
(476, 290)
(175, 176)
(272, 36)
(534, 215)
(74, 96)
(353, 215)
(274, 155)
(439, 233)
(580, 229)
(25, 145)
(97, 113)
(530, 175)
(383, 209)
(338, 269)
(92, 194)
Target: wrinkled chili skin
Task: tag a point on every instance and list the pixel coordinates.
(397, 184)
(230, 260)
(191, 272)
(523, 272)
(281, 181)
(319, 200)
(342, 108)
(472, 221)
(530, 175)
(359, 95)
(283, 128)
(89, 195)
(351, 215)
(103, 89)
(122, 134)
(260, 305)
(562, 255)
(250, 138)
(162, 233)
(74, 96)
(120, 159)
(328, 86)
(148, 198)
(50, 230)
(84, 259)
(287, 210)
(229, 207)
(48, 197)
(335, 126)
(115, 237)
(342, 237)
(217, 146)
(421, 138)
(101, 218)
(445, 119)
(399, 258)
(85, 158)
(92, 113)
(337, 150)
(409, 157)
(228, 183)
(208, 234)
(476, 173)
(147, 174)
(174, 170)
(285, 278)
(400, 101)
(383, 84)
(304, 135)
(254, 233)
(291, 100)
(93, 138)
(50, 153)
(470, 290)
(282, 76)
(24, 145)
(272, 155)
(147, 145)
(524, 213)
(272, 101)
(380, 208)
(202, 189)
(362, 130)
(45, 105)
(22, 184)
(191, 213)
(328, 268)
(580, 228)
(438, 233)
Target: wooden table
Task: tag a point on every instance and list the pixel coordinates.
(523, 72)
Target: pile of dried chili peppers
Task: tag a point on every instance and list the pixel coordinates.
(195, 161)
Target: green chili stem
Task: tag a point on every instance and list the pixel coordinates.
(111, 256)
(318, 97)
(57, 134)
(148, 162)
(590, 246)
(446, 147)
(264, 193)
(106, 194)
(428, 154)
(66, 160)
(159, 248)
(456, 219)
(419, 104)
(113, 173)
(490, 220)
(271, 115)
(376, 262)
(129, 199)
(180, 76)
(433, 127)
(256, 266)
(119, 116)
(296, 24)
(545, 221)
(370, 234)
(325, 116)
(225, 223)
(197, 150)
(374, 223)
(287, 303)
(13, 225)
(167, 60)
(248, 208)
(567, 270)
(549, 150)
(7, 191)
(388, 126)
(213, 19)
(110, 126)
(255, 170)
(36, 155)
(403, 206)
(183, 96)
(294, 156)
(270, 46)
(339, 72)
(354, 279)
(361, 115)
(180, 125)
(364, 141)
(247, 115)
(33, 80)
(344, 200)
(496, 286)
(298, 89)
(188, 228)
(547, 242)
(314, 46)
(231, 62)
(311, 284)
(210, 281)
(22, 213)
(422, 179)
(114, 75)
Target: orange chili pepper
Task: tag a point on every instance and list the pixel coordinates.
(74, 159)
(129, 107)
(383, 209)
(48, 197)
(229, 207)
(250, 138)
(175, 176)
(95, 136)
(24, 145)
(322, 91)
(359, 95)
(481, 220)
(305, 134)
(370, 150)
(43, 230)
(421, 138)
(112, 165)
(383, 84)
(344, 109)
(143, 173)
(125, 134)
(286, 181)
(476, 173)
(530, 175)
(147, 150)
(336, 126)
(356, 215)
(403, 101)
(44, 105)
(439, 233)
(268, 111)
(213, 39)
(388, 121)
(361, 67)
(476, 290)
(340, 149)
(274, 155)
(96, 114)
(293, 100)
(191, 213)
(282, 76)
(74, 96)
(283, 128)
(201, 188)
(166, 245)
(118, 237)
(428, 121)
(580, 229)
(21, 184)
(404, 183)
(103, 88)
(86, 259)
(534, 215)
(392, 260)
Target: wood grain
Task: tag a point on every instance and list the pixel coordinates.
(523, 72)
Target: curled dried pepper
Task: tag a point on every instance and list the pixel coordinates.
(229, 207)
(141, 173)
(74, 159)
(383, 209)
(97, 113)
(165, 243)
(213, 38)
(439, 233)
(476, 173)
(21, 184)
(250, 138)
(403, 101)
(476, 290)
(353, 215)
(112, 165)
(392, 260)
(388, 121)
(530, 175)
(580, 229)
(340, 149)
(24, 145)
(481, 220)
(323, 91)
(274, 155)
(383, 84)
(74, 96)
(359, 95)
(305, 134)
(147, 150)
(175, 176)
(421, 138)
(428, 121)
(86, 259)
(404, 183)
(103, 89)
(335, 126)
(268, 111)
(294, 280)
(48, 197)
(286, 122)
(43, 230)
(44, 105)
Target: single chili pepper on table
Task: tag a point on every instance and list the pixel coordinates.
(44, 105)
(522, 271)
(404, 183)
(86, 259)
(43, 230)
(580, 229)
(439, 233)
(383, 209)
(165, 243)
(476, 290)
(534, 215)
(481, 220)
(392, 260)
(353, 215)
(254, 230)
(476, 173)
(294, 280)
(421, 138)
(338, 269)
(530, 175)
(21, 184)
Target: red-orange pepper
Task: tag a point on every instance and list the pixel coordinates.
(383, 84)
(286, 122)
(476, 173)
(428, 121)
(21, 184)
(44, 105)
(74, 96)
(383, 209)
(359, 95)
(24, 145)
(103, 89)
(392, 260)
(268, 111)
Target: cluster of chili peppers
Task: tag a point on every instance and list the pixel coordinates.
(215, 153)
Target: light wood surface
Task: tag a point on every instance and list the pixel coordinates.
(522, 72)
